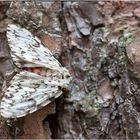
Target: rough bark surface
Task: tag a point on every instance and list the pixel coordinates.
(99, 44)
(103, 99)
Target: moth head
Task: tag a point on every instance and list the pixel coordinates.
(67, 77)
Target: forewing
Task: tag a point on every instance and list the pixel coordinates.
(27, 93)
(28, 50)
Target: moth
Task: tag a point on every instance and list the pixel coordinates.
(40, 79)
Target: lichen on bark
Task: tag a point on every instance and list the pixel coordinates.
(102, 100)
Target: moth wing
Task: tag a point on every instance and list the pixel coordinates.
(27, 93)
(28, 50)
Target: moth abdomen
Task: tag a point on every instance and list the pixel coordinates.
(39, 71)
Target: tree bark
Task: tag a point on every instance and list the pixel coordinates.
(99, 44)
(101, 102)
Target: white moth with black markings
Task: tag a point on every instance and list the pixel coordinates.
(39, 82)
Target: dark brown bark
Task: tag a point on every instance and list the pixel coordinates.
(103, 99)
